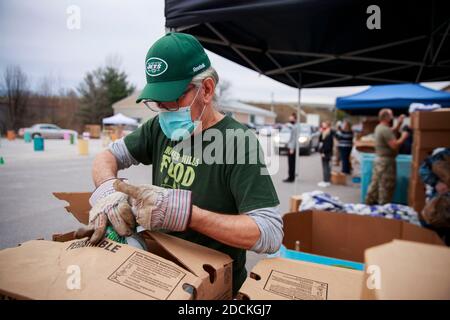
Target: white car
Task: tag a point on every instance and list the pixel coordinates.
(308, 139)
(281, 139)
(47, 131)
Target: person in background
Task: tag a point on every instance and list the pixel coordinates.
(384, 173)
(406, 147)
(345, 145)
(292, 147)
(337, 155)
(435, 173)
(326, 152)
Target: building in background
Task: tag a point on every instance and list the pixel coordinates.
(130, 108)
(284, 110)
(247, 113)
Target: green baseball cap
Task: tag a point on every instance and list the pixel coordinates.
(170, 65)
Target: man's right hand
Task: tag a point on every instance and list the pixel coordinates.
(110, 206)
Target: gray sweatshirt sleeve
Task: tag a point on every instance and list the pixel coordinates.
(270, 225)
(123, 157)
(294, 136)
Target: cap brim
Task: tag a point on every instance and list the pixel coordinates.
(164, 91)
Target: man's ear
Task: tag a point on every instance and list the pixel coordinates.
(208, 90)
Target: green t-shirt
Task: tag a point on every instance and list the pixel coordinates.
(224, 186)
(383, 135)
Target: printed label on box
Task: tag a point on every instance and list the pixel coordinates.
(294, 287)
(148, 276)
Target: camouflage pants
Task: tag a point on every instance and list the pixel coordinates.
(382, 187)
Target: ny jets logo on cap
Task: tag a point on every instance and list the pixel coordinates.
(155, 66)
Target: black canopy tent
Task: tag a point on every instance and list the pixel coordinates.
(322, 43)
(327, 41)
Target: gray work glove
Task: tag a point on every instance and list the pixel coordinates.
(158, 208)
(108, 206)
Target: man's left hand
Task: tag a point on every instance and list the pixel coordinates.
(159, 208)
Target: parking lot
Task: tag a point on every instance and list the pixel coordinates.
(28, 210)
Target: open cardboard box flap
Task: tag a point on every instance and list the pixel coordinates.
(191, 255)
(78, 204)
(279, 278)
(347, 236)
(407, 270)
(40, 269)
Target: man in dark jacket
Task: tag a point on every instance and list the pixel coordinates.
(326, 152)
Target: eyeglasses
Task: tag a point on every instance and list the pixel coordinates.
(158, 106)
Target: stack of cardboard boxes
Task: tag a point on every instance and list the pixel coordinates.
(431, 130)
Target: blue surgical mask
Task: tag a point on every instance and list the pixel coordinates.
(178, 125)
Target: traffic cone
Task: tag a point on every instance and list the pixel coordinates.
(2, 161)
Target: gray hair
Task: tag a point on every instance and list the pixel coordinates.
(385, 114)
(208, 73)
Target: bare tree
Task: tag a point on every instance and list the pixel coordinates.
(17, 91)
(46, 87)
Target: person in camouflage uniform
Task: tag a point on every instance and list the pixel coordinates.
(382, 187)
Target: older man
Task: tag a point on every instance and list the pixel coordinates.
(230, 206)
(382, 187)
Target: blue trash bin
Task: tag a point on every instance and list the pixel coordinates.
(402, 180)
(27, 137)
(38, 144)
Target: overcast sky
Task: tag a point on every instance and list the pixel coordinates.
(35, 36)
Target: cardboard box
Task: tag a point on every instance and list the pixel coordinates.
(278, 278)
(338, 178)
(94, 130)
(416, 196)
(347, 236)
(419, 153)
(431, 120)
(365, 146)
(171, 269)
(431, 139)
(407, 270)
(295, 203)
(395, 270)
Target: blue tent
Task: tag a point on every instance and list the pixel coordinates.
(397, 97)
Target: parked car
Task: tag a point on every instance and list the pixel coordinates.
(281, 139)
(47, 131)
(308, 139)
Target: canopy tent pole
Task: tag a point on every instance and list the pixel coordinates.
(297, 145)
